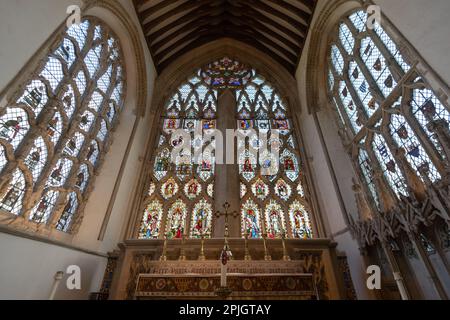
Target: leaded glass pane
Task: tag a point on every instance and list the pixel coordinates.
(389, 166)
(415, 154)
(12, 200)
(151, 222)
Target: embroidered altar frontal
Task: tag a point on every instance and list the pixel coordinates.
(300, 286)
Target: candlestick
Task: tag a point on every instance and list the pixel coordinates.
(247, 257)
(164, 253)
(202, 257)
(267, 256)
(182, 253)
(223, 275)
(285, 252)
(225, 256)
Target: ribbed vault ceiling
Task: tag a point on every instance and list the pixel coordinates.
(275, 27)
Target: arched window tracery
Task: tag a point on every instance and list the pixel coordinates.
(189, 185)
(387, 106)
(266, 111)
(55, 128)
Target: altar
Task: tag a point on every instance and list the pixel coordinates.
(190, 280)
(256, 272)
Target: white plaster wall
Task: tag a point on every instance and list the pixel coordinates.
(25, 25)
(27, 269)
(425, 25)
(27, 266)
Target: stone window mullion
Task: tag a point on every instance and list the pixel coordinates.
(338, 103)
(373, 86)
(400, 159)
(376, 167)
(430, 148)
(395, 69)
(362, 179)
(355, 97)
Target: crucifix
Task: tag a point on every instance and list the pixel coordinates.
(226, 254)
(226, 206)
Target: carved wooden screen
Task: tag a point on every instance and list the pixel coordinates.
(56, 128)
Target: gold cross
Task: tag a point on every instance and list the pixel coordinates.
(226, 206)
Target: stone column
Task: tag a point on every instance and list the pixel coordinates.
(227, 176)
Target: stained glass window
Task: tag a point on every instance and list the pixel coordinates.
(300, 222)
(185, 184)
(185, 180)
(271, 180)
(151, 223)
(44, 110)
(68, 212)
(274, 218)
(12, 200)
(226, 73)
(376, 74)
(251, 223)
(176, 220)
(260, 189)
(201, 220)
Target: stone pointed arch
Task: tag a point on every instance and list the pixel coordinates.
(176, 72)
(317, 55)
(116, 16)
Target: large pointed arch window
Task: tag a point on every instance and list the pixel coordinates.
(56, 128)
(266, 199)
(386, 106)
(186, 185)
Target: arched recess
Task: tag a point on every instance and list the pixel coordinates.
(114, 15)
(176, 73)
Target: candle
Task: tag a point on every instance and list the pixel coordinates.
(223, 275)
(57, 279)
